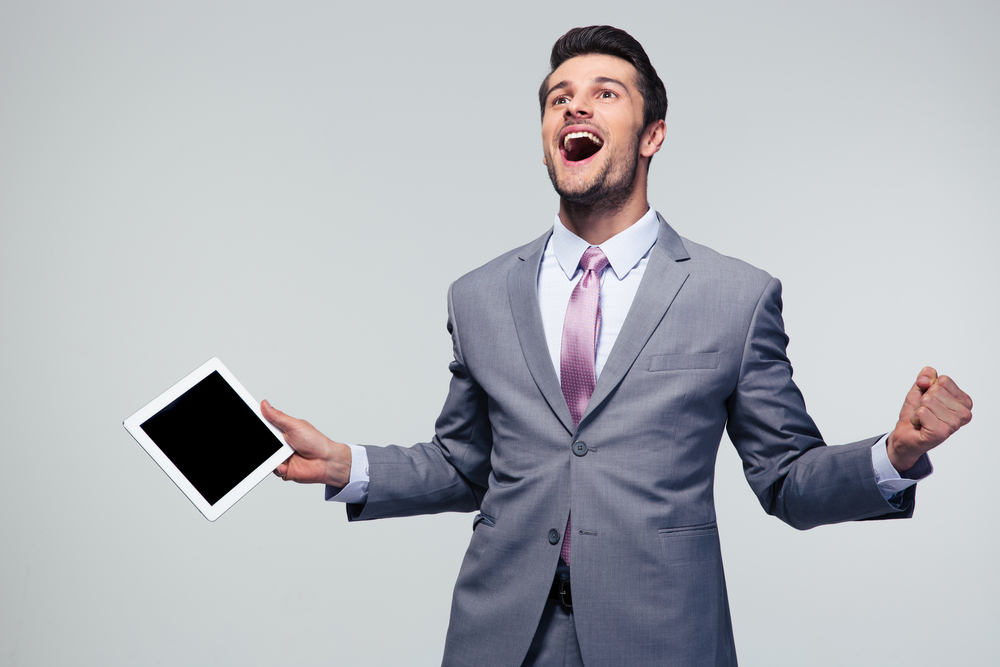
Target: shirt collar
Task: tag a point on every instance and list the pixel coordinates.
(623, 250)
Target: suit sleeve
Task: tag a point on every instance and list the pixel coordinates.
(794, 474)
(448, 474)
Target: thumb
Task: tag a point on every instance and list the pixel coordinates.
(927, 377)
(276, 416)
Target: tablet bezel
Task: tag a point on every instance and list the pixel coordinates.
(134, 426)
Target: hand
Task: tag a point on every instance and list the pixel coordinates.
(934, 409)
(317, 459)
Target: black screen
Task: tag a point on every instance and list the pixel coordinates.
(212, 436)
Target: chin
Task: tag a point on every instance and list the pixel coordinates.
(602, 190)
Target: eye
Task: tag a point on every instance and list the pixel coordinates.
(608, 95)
(562, 99)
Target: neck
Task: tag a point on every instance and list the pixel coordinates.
(596, 224)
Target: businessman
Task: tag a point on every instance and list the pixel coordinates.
(594, 371)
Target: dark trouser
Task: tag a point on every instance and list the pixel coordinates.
(555, 643)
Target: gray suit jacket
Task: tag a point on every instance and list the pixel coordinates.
(702, 349)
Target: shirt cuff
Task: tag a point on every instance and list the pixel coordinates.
(356, 491)
(889, 481)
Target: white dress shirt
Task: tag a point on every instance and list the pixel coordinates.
(627, 253)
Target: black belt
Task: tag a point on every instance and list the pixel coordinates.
(561, 593)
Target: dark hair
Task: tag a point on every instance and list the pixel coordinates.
(610, 41)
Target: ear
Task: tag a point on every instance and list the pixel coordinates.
(545, 160)
(652, 139)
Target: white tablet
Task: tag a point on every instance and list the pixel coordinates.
(208, 435)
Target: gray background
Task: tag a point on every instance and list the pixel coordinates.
(292, 187)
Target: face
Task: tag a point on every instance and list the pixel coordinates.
(592, 132)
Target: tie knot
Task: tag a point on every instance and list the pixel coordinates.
(593, 259)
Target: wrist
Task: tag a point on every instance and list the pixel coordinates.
(900, 459)
(338, 465)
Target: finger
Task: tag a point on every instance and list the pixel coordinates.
(911, 403)
(946, 408)
(935, 422)
(303, 471)
(933, 429)
(939, 394)
(948, 385)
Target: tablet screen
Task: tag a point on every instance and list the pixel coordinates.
(212, 436)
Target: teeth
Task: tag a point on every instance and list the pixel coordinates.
(580, 135)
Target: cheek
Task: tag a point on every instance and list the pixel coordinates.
(551, 125)
(548, 143)
(546, 138)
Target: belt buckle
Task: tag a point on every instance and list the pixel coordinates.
(565, 593)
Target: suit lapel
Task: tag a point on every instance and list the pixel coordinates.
(661, 281)
(522, 290)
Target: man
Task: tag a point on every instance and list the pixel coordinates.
(594, 371)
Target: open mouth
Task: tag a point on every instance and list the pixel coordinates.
(577, 146)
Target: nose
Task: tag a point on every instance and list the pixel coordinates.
(579, 107)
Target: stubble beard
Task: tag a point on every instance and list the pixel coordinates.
(610, 189)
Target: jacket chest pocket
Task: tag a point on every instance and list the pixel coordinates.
(684, 362)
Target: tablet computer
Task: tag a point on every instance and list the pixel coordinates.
(207, 433)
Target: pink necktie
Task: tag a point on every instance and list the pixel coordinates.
(579, 346)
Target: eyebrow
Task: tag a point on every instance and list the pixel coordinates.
(607, 79)
(597, 79)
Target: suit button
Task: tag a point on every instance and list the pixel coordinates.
(553, 536)
(579, 448)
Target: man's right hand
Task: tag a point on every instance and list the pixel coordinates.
(317, 459)
(933, 410)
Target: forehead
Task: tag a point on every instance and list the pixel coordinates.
(580, 70)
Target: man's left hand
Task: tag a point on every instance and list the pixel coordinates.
(934, 409)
